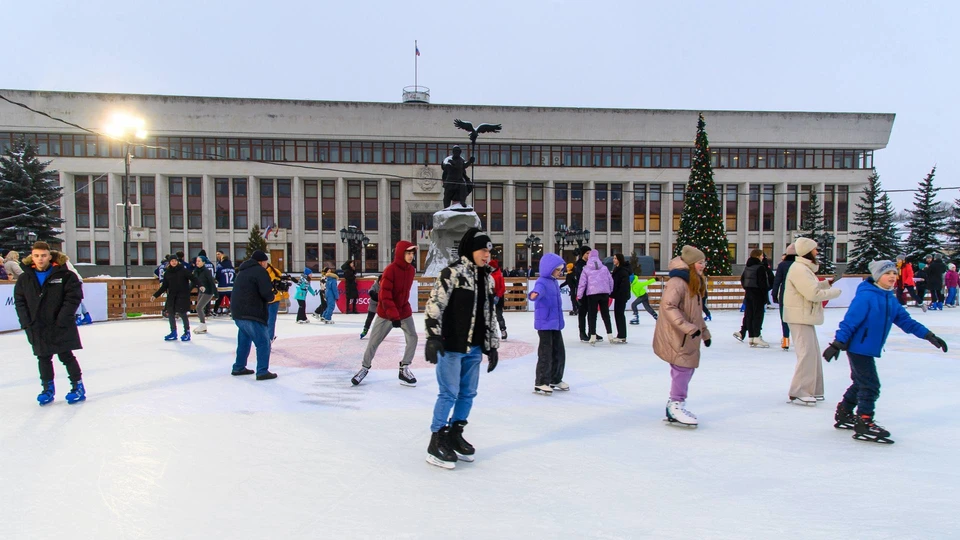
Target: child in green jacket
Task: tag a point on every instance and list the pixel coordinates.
(639, 289)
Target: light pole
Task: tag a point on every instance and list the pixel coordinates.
(356, 242)
(533, 243)
(120, 128)
(828, 240)
(26, 237)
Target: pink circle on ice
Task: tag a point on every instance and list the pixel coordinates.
(345, 351)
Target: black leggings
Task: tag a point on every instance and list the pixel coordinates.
(69, 361)
(595, 302)
(302, 310)
(620, 316)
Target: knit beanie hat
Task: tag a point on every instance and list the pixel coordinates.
(879, 268)
(690, 255)
(473, 240)
(259, 256)
(307, 271)
(791, 250)
(804, 246)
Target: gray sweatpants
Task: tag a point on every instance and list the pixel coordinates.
(382, 327)
(202, 300)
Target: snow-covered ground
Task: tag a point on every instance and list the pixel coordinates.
(170, 446)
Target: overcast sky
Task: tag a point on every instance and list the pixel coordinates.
(885, 56)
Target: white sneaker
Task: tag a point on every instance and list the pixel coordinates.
(759, 343)
(543, 390)
(808, 401)
(676, 413)
(200, 329)
(561, 386)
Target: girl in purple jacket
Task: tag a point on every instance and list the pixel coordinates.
(548, 321)
(596, 284)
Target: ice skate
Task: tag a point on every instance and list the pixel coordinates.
(923, 307)
(708, 318)
(298, 322)
(406, 376)
(759, 343)
(738, 336)
(458, 444)
(809, 401)
(200, 329)
(77, 393)
(844, 419)
(438, 453)
(785, 344)
(635, 319)
(617, 340)
(593, 339)
(186, 336)
(363, 334)
(328, 321)
(562, 386)
(678, 415)
(317, 316)
(358, 378)
(86, 319)
(172, 336)
(47, 395)
(543, 390)
(866, 430)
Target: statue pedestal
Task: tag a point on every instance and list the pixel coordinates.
(449, 226)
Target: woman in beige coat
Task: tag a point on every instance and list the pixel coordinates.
(12, 265)
(680, 328)
(803, 297)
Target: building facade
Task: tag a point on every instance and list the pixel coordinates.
(212, 168)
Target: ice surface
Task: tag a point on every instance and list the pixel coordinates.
(168, 445)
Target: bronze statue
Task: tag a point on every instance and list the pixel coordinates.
(456, 183)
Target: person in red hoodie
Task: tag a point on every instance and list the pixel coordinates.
(393, 311)
(499, 290)
(907, 282)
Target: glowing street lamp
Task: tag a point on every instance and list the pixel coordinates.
(122, 126)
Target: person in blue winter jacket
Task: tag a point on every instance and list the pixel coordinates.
(303, 288)
(548, 321)
(332, 293)
(862, 333)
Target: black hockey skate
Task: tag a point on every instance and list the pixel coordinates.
(867, 430)
(463, 449)
(438, 452)
(844, 419)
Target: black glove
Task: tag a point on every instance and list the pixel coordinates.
(707, 342)
(937, 342)
(492, 358)
(695, 334)
(433, 348)
(832, 352)
(396, 324)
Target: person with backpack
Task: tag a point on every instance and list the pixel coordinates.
(754, 281)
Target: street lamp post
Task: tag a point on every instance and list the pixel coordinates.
(120, 128)
(533, 243)
(356, 242)
(828, 240)
(27, 238)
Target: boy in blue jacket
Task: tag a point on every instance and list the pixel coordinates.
(548, 321)
(862, 333)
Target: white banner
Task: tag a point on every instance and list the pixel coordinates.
(94, 300)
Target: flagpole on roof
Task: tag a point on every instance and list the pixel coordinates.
(416, 70)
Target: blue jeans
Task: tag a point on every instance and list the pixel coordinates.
(272, 311)
(951, 296)
(865, 390)
(457, 376)
(256, 333)
(328, 313)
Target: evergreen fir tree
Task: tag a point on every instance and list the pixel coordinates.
(256, 241)
(925, 221)
(811, 225)
(29, 198)
(701, 223)
(953, 230)
(877, 237)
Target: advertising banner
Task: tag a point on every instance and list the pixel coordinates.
(94, 300)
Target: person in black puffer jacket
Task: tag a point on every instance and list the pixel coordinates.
(779, 282)
(177, 283)
(350, 280)
(620, 295)
(756, 282)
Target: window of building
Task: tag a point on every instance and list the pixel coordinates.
(678, 198)
(176, 247)
(101, 204)
(639, 207)
(371, 262)
(616, 208)
(239, 253)
(843, 207)
(311, 207)
(395, 221)
(480, 205)
(600, 207)
(536, 203)
(841, 252)
(654, 196)
(560, 205)
(284, 205)
(329, 254)
(520, 260)
(148, 202)
(753, 208)
(639, 250)
(829, 223)
(371, 202)
(732, 250)
(576, 205)
(194, 203)
(655, 253)
(496, 208)
(312, 252)
(82, 201)
(354, 203)
(768, 212)
(328, 205)
(83, 252)
(222, 200)
(731, 208)
(267, 199)
(520, 207)
(150, 253)
(102, 253)
(175, 184)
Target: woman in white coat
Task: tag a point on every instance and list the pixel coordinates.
(803, 298)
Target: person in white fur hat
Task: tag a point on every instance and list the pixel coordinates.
(802, 300)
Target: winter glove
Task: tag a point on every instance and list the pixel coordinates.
(492, 358)
(832, 352)
(695, 334)
(434, 347)
(707, 342)
(937, 342)
(396, 324)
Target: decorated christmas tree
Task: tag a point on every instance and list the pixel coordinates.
(925, 221)
(29, 198)
(701, 223)
(877, 237)
(811, 225)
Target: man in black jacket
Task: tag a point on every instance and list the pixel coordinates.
(935, 271)
(178, 281)
(47, 296)
(252, 291)
(461, 326)
(583, 254)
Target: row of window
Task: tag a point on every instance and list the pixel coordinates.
(518, 155)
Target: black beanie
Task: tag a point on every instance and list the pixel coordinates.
(473, 240)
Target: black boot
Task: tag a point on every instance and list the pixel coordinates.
(439, 453)
(844, 417)
(867, 430)
(463, 449)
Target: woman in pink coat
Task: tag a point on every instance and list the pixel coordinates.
(596, 284)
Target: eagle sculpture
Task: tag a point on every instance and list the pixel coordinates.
(482, 128)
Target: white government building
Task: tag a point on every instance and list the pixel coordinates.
(211, 168)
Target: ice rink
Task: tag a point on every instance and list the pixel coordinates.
(169, 446)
